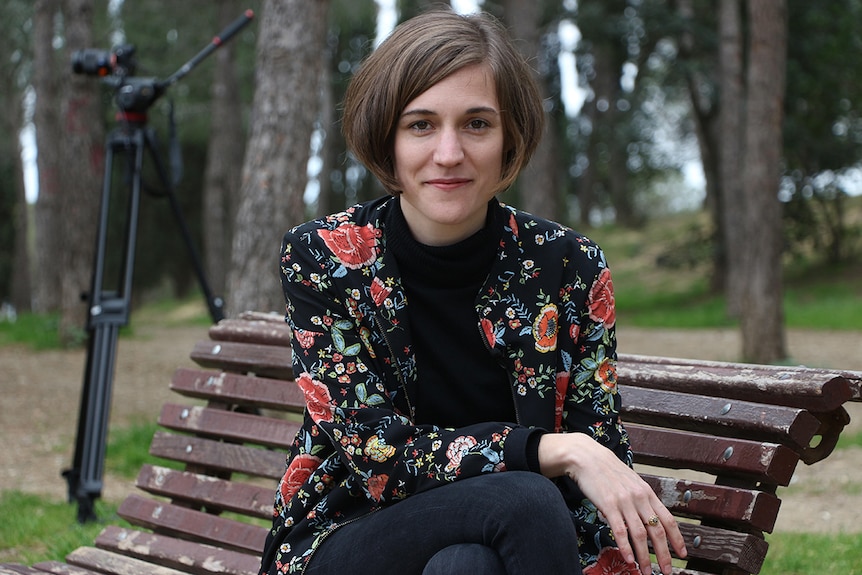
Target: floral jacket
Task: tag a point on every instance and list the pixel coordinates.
(546, 312)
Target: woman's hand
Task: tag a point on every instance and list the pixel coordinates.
(627, 502)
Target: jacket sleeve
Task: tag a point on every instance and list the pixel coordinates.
(343, 366)
(588, 385)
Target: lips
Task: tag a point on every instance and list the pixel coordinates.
(448, 183)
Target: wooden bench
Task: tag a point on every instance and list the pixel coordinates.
(740, 429)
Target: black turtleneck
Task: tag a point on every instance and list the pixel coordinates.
(458, 381)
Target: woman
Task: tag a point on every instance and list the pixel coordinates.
(457, 355)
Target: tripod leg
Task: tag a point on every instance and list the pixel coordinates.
(108, 311)
(215, 304)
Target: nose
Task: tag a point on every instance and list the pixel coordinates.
(449, 151)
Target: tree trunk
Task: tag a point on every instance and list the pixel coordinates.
(83, 167)
(291, 42)
(731, 203)
(762, 318)
(46, 118)
(224, 158)
(537, 184)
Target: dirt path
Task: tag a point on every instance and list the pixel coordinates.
(41, 393)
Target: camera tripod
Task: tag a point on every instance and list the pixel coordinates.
(109, 302)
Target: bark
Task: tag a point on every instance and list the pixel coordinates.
(291, 42)
(46, 119)
(731, 204)
(538, 183)
(82, 155)
(224, 158)
(762, 318)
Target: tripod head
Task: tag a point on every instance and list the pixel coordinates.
(132, 95)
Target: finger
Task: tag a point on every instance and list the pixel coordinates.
(638, 534)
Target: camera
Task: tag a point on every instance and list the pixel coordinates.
(93, 62)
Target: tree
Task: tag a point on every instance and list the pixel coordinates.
(290, 47)
(46, 118)
(730, 204)
(538, 183)
(82, 154)
(14, 257)
(224, 157)
(762, 318)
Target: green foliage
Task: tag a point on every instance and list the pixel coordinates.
(43, 529)
(37, 331)
(128, 450)
(803, 553)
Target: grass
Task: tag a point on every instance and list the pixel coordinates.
(806, 553)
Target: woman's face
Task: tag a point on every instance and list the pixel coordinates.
(449, 156)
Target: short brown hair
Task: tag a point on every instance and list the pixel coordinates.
(419, 53)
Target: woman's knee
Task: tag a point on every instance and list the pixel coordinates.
(520, 494)
(465, 559)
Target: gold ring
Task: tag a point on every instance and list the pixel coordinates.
(653, 521)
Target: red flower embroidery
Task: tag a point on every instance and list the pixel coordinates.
(379, 291)
(606, 375)
(560, 397)
(317, 398)
(545, 329)
(611, 562)
(488, 329)
(300, 469)
(354, 246)
(601, 300)
(376, 485)
(304, 337)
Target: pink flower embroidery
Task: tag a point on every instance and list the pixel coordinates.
(317, 398)
(457, 449)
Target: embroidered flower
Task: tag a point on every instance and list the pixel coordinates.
(300, 469)
(545, 329)
(376, 485)
(606, 375)
(317, 399)
(611, 562)
(354, 246)
(304, 337)
(488, 329)
(457, 449)
(562, 384)
(379, 291)
(601, 300)
(378, 450)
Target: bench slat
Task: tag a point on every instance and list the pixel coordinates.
(229, 425)
(218, 456)
(58, 568)
(807, 388)
(188, 556)
(169, 519)
(716, 502)
(264, 329)
(265, 360)
(730, 548)
(107, 562)
(768, 462)
(705, 414)
(238, 389)
(207, 491)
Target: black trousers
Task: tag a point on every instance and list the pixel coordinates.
(512, 523)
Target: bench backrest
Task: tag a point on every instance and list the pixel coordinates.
(715, 441)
